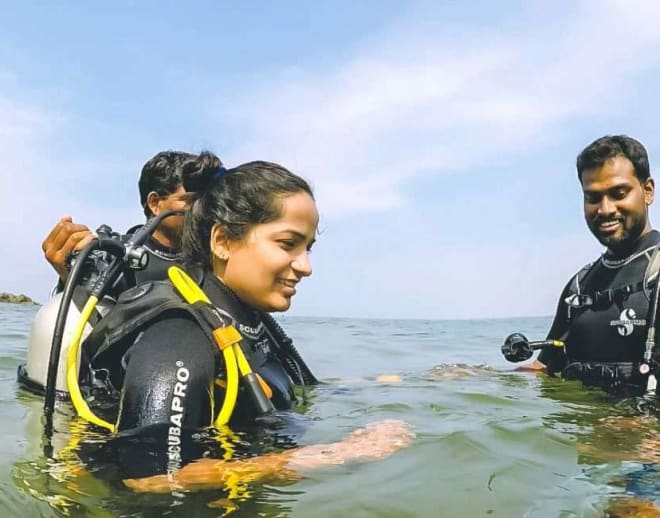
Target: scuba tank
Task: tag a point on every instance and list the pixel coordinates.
(34, 373)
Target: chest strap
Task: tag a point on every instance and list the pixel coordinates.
(603, 299)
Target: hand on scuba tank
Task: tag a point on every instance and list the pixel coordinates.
(516, 348)
(65, 237)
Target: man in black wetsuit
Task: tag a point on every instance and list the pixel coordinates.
(161, 188)
(602, 313)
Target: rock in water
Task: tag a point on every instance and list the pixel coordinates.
(16, 299)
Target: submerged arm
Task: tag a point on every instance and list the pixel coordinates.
(375, 441)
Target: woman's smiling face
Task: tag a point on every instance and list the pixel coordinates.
(264, 267)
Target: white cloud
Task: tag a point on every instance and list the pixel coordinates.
(363, 129)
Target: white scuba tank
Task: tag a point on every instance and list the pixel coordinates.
(41, 339)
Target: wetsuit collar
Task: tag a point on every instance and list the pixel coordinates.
(217, 290)
(164, 252)
(648, 240)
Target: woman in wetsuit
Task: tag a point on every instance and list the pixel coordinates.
(246, 240)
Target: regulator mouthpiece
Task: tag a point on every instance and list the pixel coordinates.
(516, 348)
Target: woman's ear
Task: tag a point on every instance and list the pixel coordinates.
(153, 203)
(219, 243)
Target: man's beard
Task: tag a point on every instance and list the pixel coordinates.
(173, 234)
(623, 243)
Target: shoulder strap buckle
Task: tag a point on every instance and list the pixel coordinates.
(579, 300)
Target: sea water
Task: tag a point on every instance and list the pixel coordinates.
(489, 441)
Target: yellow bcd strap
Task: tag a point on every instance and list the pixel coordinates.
(227, 338)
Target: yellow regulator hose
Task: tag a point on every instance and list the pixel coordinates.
(77, 399)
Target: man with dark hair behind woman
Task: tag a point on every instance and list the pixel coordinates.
(161, 187)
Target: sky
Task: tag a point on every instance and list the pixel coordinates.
(440, 137)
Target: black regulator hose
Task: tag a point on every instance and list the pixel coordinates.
(109, 245)
(142, 234)
(292, 360)
(60, 322)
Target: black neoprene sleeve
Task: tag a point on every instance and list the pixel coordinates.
(554, 358)
(169, 377)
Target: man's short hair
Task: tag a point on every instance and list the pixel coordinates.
(605, 148)
(164, 173)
